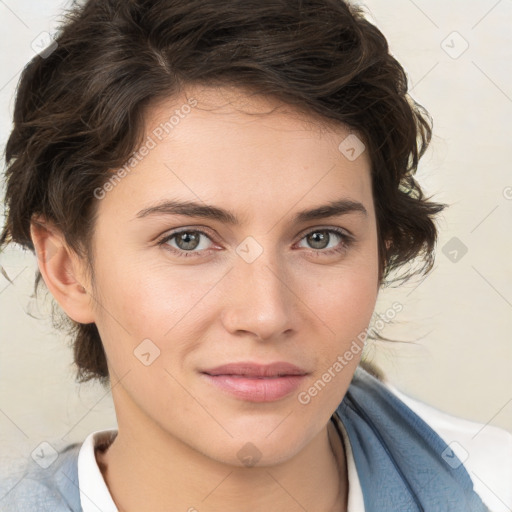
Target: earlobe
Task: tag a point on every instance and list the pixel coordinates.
(62, 271)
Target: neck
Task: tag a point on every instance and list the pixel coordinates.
(151, 470)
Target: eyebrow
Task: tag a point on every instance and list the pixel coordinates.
(194, 209)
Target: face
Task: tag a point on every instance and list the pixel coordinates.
(181, 291)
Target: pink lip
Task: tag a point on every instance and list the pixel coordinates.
(255, 382)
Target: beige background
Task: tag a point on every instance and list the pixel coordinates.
(460, 316)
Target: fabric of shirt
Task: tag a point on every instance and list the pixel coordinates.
(94, 493)
(355, 501)
(402, 464)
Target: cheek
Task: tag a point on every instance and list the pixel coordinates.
(141, 300)
(352, 304)
(345, 311)
(345, 297)
(344, 302)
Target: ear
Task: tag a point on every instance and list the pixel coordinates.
(63, 271)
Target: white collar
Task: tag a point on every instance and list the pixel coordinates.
(95, 496)
(94, 493)
(355, 493)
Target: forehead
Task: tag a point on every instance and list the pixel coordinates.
(227, 146)
(234, 108)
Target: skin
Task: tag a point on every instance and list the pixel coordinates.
(178, 435)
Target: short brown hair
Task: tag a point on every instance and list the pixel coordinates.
(79, 111)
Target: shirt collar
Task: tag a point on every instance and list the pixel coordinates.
(94, 493)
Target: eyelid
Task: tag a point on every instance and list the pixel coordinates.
(342, 231)
(161, 240)
(347, 238)
(211, 234)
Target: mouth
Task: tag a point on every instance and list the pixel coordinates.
(255, 382)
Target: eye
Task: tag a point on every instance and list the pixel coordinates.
(320, 239)
(193, 242)
(187, 242)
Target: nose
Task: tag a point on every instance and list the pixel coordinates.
(260, 298)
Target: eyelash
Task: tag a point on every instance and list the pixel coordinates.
(346, 242)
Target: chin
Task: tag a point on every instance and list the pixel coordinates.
(257, 450)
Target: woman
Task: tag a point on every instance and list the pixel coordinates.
(216, 192)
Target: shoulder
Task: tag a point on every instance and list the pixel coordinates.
(51, 486)
(485, 450)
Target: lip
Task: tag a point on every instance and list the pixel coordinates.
(256, 382)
